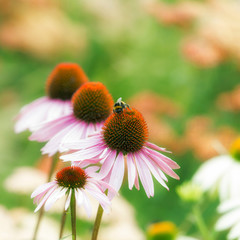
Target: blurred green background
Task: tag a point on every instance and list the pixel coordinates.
(126, 48)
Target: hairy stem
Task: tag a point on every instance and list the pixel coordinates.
(41, 211)
(73, 215)
(97, 222)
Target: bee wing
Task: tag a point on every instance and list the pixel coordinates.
(119, 100)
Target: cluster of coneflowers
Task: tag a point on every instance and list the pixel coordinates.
(79, 120)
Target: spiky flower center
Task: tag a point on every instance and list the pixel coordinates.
(64, 80)
(92, 102)
(125, 132)
(71, 177)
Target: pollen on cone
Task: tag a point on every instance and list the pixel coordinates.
(64, 80)
(71, 177)
(92, 102)
(125, 132)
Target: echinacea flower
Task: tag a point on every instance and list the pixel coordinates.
(123, 141)
(165, 231)
(221, 174)
(64, 80)
(230, 218)
(92, 104)
(69, 180)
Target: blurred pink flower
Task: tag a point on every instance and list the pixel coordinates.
(92, 104)
(64, 80)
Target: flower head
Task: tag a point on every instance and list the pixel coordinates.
(235, 149)
(92, 104)
(123, 140)
(162, 231)
(221, 174)
(69, 180)
(125, 132)
(64, 80)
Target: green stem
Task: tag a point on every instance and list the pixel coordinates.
(41, 211)
(97, 222)
(63, 221)
(73, 215)
(201, 224)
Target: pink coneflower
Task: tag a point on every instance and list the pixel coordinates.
(64, 80)
(72, 180)
(123, 141)
(92, 104)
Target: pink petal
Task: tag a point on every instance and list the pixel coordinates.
(154, 170)
(167, 160)
(145, 176)
(68, 199)
(84, 143)
(86, 204)
(162, 165)
(57, 194)
(80, 155)
(131, 171)
(155, 147)
(45, 198)
(42, 188)
(117, 173)
(79, 197)
(107, 164)
(47, 130)
(53, 145)
(97, 194)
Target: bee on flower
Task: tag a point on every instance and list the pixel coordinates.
(122, 142)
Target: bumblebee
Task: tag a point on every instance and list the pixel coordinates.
(119, 106)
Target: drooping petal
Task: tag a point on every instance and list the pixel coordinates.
(57, 194)
(117, 173)
(45, 198)
(83, 154)
(107, 164)
(154, 170)
(131, 171)
(162, 157)
(46, 130)
(99, 195)
(68, 199)
(79, 197)
(53, 145)
(86, 205)
(155, 147)
(42, 188)
(145, 175)
(84, 143)
(162, 165)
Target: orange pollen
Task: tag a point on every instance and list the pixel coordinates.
(92, 102)
(64, 80)
(126, 132)
(71, 177)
